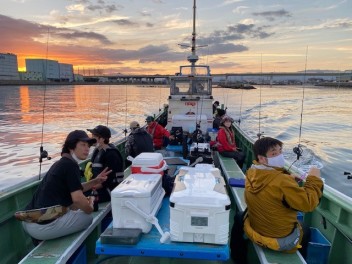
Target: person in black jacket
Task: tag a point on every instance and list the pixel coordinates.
(106, 155)
(138, 141)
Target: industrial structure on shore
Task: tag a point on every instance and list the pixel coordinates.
(39, 71)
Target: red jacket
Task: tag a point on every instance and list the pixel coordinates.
(223, 143)
(158, 133)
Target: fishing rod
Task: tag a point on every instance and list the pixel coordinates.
(260, 133)
(159, 98)
(43, 154)
(125, 130)
(108, 113)
(239, 119)
(298, 149)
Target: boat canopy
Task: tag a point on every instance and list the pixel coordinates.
(192, 80)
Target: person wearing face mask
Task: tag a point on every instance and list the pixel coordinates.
(106, 155)
(273, 198)
(226, 144)
(58, 206)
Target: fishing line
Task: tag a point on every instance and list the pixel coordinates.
(107, 117)
(239, 120)
(125, 130)
(159, 98)
(260, 96)
(298, 149)
(43, 154)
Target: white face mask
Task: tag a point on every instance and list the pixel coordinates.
(76, 158)
(278, 161)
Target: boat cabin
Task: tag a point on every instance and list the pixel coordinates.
(191, 98)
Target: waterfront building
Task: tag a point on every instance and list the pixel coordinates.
(48, 70)
(8, 67)
(66, 72)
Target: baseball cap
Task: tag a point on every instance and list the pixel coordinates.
(101, 131)
(149, 119)
(80, 135)
(134, 124)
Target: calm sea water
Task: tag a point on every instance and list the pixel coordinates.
(326, 129)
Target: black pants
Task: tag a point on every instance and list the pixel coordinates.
(238, 244)
(239, 156)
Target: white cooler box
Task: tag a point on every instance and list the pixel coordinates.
(147, 163)
(134, 198)
(199, 206)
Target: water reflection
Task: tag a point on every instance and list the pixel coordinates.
(326, 126)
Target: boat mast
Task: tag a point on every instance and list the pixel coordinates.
(193, 58)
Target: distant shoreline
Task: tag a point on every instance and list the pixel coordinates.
(21, 82)
(10, 82)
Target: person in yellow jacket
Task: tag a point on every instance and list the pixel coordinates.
(273, 198)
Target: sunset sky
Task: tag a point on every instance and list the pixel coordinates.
(142, 36)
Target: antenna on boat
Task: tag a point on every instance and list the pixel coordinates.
(298, 149)
(260, 134)
(43, 154)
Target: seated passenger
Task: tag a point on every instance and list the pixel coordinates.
(158, 132)
(226, 144)
(106, 155)
(64, 208)
(273, 198)
(138, 141)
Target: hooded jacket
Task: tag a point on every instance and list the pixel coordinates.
(273, 198)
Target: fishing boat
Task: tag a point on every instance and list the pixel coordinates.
(189, 108)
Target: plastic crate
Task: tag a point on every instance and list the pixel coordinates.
(318, 248)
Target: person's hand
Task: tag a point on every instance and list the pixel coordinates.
(103, 175)
(91, 200)
(171, 137)
(314, 171)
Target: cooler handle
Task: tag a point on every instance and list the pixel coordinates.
(150, 218)
(146, 169)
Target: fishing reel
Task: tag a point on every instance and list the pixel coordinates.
(260, 135)
(348, 174)
(43, 155)
(298, 151)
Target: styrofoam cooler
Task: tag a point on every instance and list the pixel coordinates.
(199, 206)
(149, 163)
(143, 191)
